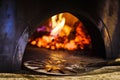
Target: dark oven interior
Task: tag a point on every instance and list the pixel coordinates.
(40, 42)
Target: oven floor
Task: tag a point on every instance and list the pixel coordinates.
(72, 62)
(99, 71)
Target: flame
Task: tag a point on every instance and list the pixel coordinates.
(57, 25)
(61, 36)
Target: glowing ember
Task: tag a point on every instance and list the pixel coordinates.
(62, 36)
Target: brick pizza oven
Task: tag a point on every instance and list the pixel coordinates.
(20, 18)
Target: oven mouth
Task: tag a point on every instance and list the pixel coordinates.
(65, 61)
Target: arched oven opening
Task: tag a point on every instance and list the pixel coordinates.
(64, 44)
(21, 18)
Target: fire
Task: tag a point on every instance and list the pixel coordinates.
(62, 35)
(57, 25)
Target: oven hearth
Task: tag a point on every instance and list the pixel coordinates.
(58, 62)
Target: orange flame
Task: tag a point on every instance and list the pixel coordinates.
(59, 37)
